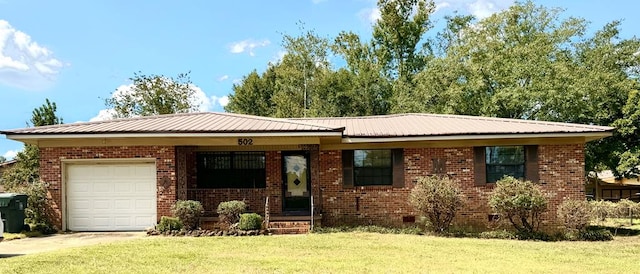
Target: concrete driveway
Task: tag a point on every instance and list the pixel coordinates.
(60, 241)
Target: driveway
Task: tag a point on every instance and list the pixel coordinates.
(61, 241)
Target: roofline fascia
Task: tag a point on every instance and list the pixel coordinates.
(171, 135)
(353, 140)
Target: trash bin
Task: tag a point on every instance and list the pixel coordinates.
(12, 206)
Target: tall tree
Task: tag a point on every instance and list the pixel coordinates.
(397, 34)
(26, 169)
(253, 94)
(45, 115)
(154, 95)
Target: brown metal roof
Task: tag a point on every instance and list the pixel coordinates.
(420, 124)
(398, 125)
(202, 122)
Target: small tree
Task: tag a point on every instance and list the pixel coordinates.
(188, 212)
(437, 198)
(575, 215)
(521, 202)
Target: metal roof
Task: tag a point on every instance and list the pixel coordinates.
(201, 122)
(421, 124)
(397, 125)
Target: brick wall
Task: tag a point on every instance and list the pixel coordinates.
(254, 197)
(561, 174)
(51, 171)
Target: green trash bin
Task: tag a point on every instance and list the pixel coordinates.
(12, 206)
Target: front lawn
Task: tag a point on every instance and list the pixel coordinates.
(338, 252)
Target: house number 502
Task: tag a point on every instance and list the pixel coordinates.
(245, 142)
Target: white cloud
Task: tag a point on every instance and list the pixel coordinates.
(10, 154)
(199, 98)
(278, 57)
(23, 62)
(478, 8)
(370, 15)
(223, 101)
(248, 46)
(223, 78)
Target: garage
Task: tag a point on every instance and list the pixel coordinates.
(110, 196)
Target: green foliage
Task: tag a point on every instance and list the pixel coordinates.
(396, 36)
(154, 95)
(188, 212)
(521, 202)
(438, 198)
(36, 211)
(574, 214)
(368, 229)
(229, 212)
(169, 223)
(45, 115)
(626, 208)
(601, 210)
(596, 235)
(498, 234)
(250, 221)
(25, 170)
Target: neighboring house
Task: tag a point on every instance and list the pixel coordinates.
(605, 186)
(125, 174)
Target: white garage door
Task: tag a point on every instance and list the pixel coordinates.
(111, 197)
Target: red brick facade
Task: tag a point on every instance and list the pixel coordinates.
(51, 171)
(561, 172)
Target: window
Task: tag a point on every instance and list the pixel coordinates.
(231, 170)
(373, 167)
(493, 163)
(504, 160)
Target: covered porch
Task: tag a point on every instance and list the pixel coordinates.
(280, 182)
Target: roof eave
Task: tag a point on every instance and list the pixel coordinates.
(32, 136)
(589, 136)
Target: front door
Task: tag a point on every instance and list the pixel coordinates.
(296, 183)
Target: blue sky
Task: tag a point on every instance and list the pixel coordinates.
(76, 53)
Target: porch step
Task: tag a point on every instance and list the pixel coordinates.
(289, 227)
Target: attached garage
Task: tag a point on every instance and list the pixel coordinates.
(107, 196)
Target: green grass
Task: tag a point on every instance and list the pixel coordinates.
(14, 236)
(337, 252)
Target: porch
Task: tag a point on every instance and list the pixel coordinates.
(281, 182)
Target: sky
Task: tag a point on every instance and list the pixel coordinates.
(77, 53)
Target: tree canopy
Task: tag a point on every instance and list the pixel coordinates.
(26, 169)
(526, 62)
(154, 95)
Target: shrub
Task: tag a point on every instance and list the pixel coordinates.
(250, 221)
(437, 198)
(602, 210)
(188, 212)
(575, 215)
(626, 208)
(169, 223)
(36, 210)
(498, 234)
(520, 202)
(596, 235)
(229, 212)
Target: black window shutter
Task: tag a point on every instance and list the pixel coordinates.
(347, 168)
(479, 165)
(531, 163)
(398, 167)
